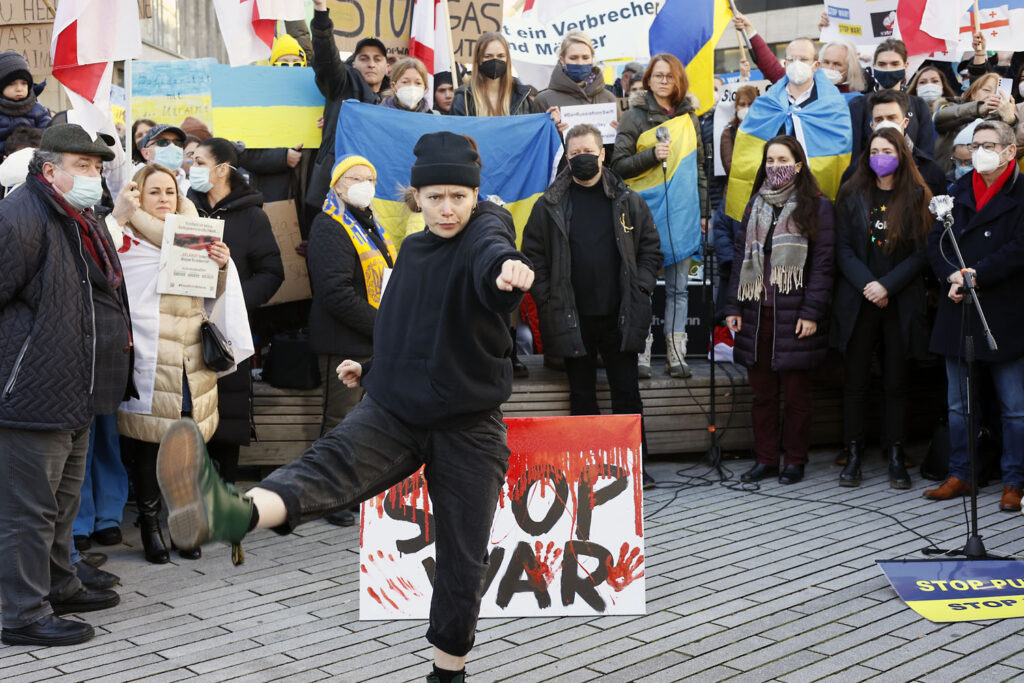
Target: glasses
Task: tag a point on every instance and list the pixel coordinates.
(163, 142)
(661, 78)
(289, 64)
(353, 181)
(987, 146)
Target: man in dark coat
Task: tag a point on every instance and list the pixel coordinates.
(588, 227)
(65, 356)
(988, 221)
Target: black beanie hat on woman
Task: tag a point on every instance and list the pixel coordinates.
(445, 158)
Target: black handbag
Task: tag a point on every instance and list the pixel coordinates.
(217, 352)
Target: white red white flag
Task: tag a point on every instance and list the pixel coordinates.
(87, 36)
(429, 40)
(248, 26)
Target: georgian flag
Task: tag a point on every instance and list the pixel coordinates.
(248, 26)
(429, 40)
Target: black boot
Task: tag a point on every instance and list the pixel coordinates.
(148, 503)
(899, 478)
(850, 476)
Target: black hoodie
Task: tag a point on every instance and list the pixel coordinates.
(441, 346)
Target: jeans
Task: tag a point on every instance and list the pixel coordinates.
(372, 450)
(795, 387)
(601, 333)
(1008, 379)
(875, 325)
(41, 475)
(105, 489)
(677, 276)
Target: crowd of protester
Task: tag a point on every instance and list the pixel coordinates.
(798, 273)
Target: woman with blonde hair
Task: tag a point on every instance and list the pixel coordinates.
(982, 101)
(170, 373)
(408, 86)
(577, 79)
(493, 90)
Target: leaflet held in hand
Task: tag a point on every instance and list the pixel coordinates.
(185, 264)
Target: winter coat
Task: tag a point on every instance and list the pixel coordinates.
(269, 172)
(810, 302)
(952, 119)
(562, 91)
(920, 130)
(992, 242)
(53, 304)
(341, 319)
(14, 114)
(255, 253)
(546, 244)
(627, 163)
(178, 349)
(904, 282)
(463, 104)
(337, 82)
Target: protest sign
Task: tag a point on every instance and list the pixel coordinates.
(470, 18)
(284, 222)
(567, 536)
(388, 20)
(185, 264)
(24, 12)
(725, 112)
(266, 106)
(959, 590)
(862, 22)
(600, 115)
(169, 92)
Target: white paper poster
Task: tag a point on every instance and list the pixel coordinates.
(862, 22)
(185, 264)
(725, 111)
(600, 115)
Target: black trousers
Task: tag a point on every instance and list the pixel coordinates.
(372, 450)
(601, 333)
(875, 326)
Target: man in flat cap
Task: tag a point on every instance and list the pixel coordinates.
(65, 356)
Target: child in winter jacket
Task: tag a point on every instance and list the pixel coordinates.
(18, 105)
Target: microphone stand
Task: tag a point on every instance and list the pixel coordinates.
(714, 453)
(974, 548)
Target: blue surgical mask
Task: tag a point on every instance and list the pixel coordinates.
(960, 171)
(170, 156)
(199, 178)
(578, 73)
(86, 191)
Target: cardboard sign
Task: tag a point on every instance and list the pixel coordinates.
(599, 115)
(33, 42)
(567, 536)
(959, 590)
(24, 12)
(388, 20)
(185, 264)
(862, 22)
(469, 19)
(284, 221)
(725, 112)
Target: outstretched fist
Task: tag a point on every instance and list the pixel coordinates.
(515, 275)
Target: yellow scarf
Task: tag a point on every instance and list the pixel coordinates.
(370, 258)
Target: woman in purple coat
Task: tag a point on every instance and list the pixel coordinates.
(778, 302)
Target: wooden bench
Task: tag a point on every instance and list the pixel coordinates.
(675, 411)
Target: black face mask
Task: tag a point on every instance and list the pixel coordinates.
(493, 68)
(889, 79)
(584, 166)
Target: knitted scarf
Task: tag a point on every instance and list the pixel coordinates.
(17, 108)
(788, 246)
(99, 239)
(370, 258)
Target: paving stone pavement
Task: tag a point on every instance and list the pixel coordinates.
(779, 585)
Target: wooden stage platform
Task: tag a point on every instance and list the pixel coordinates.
(675, 411)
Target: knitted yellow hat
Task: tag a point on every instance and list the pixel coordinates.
(347, 162)
(286, 45)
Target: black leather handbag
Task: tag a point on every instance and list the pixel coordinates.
(217, 352)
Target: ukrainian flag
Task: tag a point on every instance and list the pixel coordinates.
(671, 194)
(519, 155)
(690, 31)
(266, 106)
(823, 128)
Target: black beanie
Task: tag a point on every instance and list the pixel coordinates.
(445, 158)
(442, 78)
(12, 67)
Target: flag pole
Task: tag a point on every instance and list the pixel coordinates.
(451, 46)
(977, 21)
(745, 40)
(128, 112)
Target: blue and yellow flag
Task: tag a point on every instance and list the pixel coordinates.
(672, 193)
(823, 128)
(518, 155)
(690, 31)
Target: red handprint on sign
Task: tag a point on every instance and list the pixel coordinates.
(627, 570)
(543, 574)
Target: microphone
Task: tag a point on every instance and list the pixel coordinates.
(941, 205)
(663, 135)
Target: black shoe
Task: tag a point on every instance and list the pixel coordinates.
(649, 482)
(851, 475)
(519, 369)
(86, 600)
(791, 474)
(342, 518)
(94, 559)
(190, 554)
(50, 630)
(94, 578)
(82, 543)
(899, 478)
(758, 472)
(109, 536)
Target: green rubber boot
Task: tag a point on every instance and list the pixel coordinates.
(200, 507)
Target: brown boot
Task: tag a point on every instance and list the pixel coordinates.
(1010, 501)
(951, 488)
